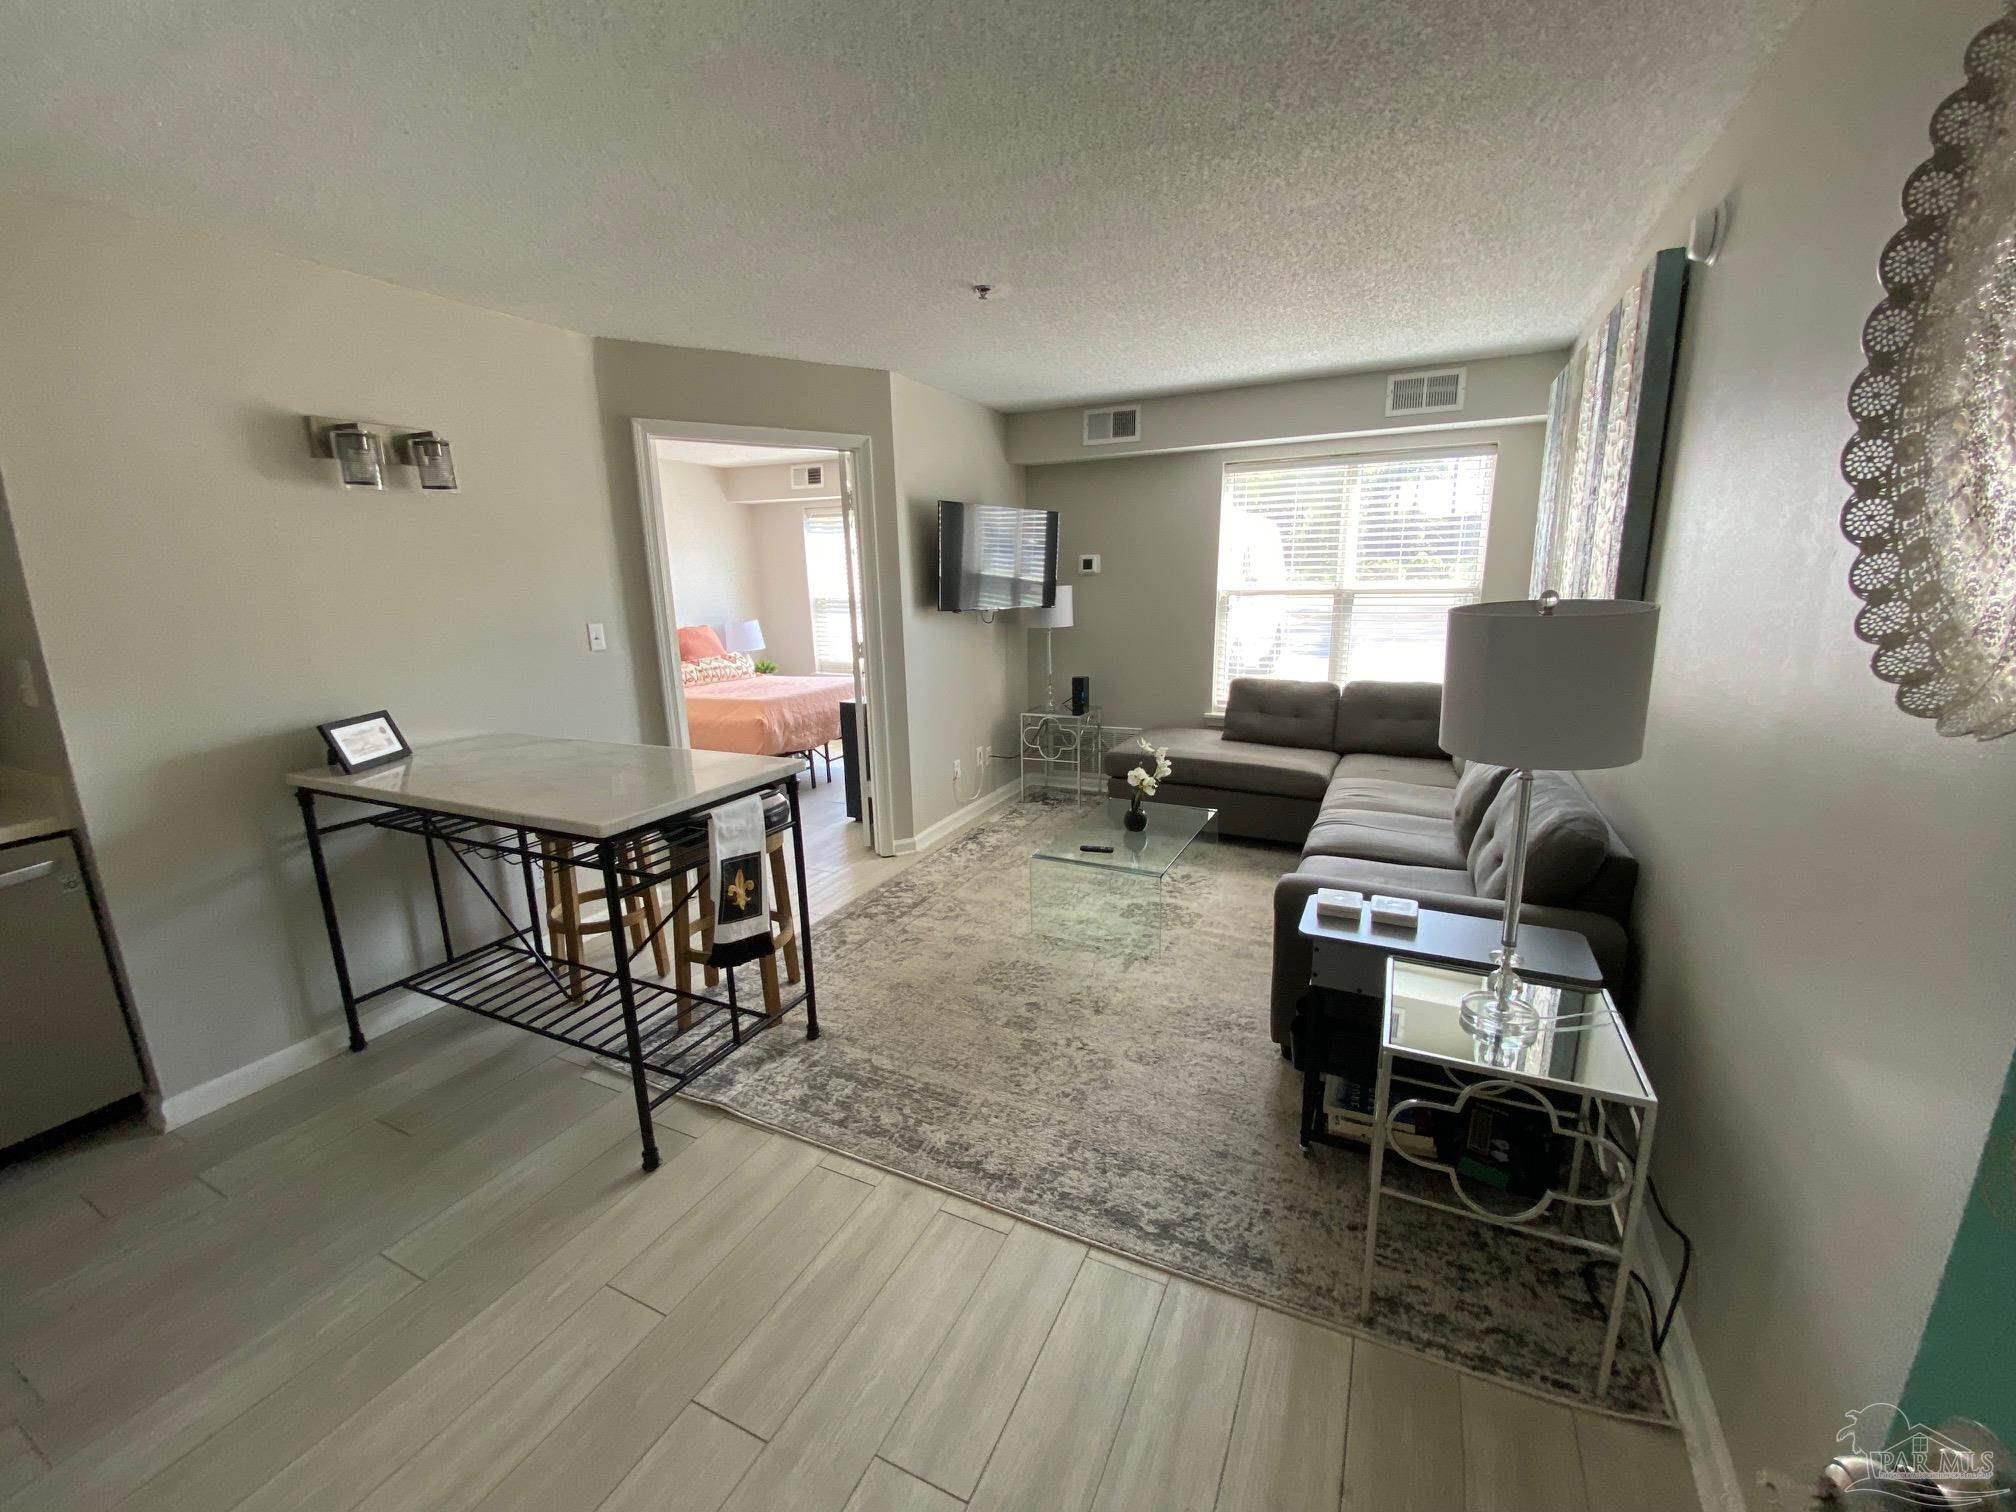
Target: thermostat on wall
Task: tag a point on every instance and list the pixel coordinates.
(1088, 563)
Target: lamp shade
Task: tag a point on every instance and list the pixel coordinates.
(742, 635)
(1056, 617)
(1559, 687)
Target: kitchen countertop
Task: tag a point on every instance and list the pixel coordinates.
(31, 805)
(590, 788)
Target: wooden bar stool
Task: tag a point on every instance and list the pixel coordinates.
(569, 920)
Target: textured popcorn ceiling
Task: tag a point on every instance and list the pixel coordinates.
(1170, 194)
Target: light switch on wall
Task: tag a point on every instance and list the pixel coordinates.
(24, 674)
(598, 639)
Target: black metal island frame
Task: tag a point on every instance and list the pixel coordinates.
(634, 816)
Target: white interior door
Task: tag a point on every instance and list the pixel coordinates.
(864, 708)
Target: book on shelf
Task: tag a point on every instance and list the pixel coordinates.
(1347, 1114)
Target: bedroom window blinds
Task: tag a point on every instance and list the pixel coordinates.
(1341, 568)
(826, 578)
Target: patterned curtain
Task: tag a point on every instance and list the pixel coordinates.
(1606, 413)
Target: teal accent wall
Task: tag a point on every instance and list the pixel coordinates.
(1966, 1361)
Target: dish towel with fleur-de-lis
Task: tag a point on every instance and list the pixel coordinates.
(740, 883)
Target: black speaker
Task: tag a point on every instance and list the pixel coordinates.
(1081, 694)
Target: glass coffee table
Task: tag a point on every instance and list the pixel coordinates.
(1094, 882)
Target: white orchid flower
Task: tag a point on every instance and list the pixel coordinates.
(1138, 777)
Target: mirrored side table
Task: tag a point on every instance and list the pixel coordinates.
(1060, 749)
(1549, 1135)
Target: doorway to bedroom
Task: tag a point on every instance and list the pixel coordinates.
(766, 645)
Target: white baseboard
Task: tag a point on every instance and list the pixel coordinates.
(959, 819)
(382, 1018)
(1715, 1478)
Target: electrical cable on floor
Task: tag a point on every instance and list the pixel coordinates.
(1658, 1328)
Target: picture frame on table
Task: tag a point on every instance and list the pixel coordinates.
(364, 741)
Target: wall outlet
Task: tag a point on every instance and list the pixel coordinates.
(598, 638)
(980, 755)
(24, 674)
(1088, 564)
(957, 773)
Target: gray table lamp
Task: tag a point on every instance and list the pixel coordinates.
(1056, 617)
(1547, 684)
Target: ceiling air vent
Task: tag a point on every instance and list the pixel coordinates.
(1424, 393)
(808, 475)
(1118, 422)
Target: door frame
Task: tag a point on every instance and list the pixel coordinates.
(664, 613)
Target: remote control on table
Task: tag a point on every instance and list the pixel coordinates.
(1102, 850)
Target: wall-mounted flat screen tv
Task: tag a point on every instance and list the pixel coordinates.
(994, 557)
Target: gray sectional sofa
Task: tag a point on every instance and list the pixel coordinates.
(1354, 777)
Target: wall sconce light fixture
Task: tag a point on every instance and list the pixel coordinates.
(360, 461)
(360, 449)
(431, 456)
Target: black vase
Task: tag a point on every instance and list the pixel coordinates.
(1137, 817)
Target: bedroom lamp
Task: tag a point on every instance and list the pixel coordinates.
(1548, 684)
(742, 635)
(1050, 620)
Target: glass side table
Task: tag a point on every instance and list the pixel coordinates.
(1550, 1136)
(1059, 744)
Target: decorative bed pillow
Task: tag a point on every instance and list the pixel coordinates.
(699, 642)
(712, 669)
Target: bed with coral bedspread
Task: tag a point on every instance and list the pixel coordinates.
(766, 716)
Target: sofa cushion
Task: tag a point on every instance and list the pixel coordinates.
(1566, 841)
(1279, 711)
(1404, 839)
(1207, 759)
(1400, 881)
(1390, 719)
(1372, 795)
(1475, 789)
(1419, 771)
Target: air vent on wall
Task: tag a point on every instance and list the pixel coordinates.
(808, 475)
(1118, 422)
(1424, 393)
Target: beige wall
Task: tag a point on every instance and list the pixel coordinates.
(1828, 885)
(712, 544)
(207, 593)
(772, 483)
(966, 677)
(1497, 390)
(638, 380)
(30, 736)
(1142, 629)
(783, 596)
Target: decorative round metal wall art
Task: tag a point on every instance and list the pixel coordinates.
(1933, 460)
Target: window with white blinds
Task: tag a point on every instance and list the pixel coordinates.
(826, 578)
(1341, 568)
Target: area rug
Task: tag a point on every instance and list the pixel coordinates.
(1093, 1056)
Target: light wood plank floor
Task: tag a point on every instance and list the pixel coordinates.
(432, 1276)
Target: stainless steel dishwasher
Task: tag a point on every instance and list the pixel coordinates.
(64, 1047)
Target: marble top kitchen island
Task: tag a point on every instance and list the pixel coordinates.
(594, 819)
(590, 788)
